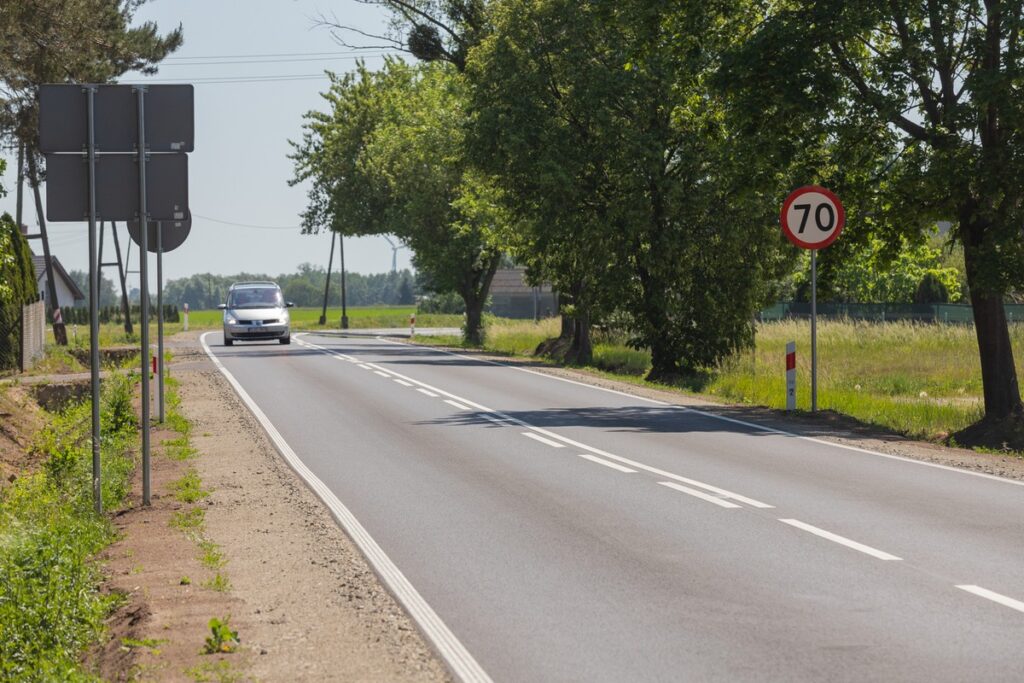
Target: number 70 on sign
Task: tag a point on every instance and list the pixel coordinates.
(812, 217)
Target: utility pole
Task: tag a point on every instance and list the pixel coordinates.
(327, 287)
(344, 310)
(60, 333)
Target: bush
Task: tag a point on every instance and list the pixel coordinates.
(447, 302)
(931, 290)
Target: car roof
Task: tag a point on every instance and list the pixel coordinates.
(238, 285)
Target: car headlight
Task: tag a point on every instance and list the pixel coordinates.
(229, 320)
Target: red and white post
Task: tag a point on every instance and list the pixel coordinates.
(791, 376)
(185, 307)
(412, 325)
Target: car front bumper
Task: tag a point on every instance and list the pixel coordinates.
(243, 332)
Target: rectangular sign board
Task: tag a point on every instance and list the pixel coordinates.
(64, 116)
(117, 187)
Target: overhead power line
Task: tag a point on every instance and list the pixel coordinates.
(262, 56)
(248, 225)
(279, 61)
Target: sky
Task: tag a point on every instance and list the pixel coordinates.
(245, 216)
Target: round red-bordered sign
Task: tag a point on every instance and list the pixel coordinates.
(812, 217)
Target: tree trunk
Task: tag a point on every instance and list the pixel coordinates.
(582, 348)
(998, 371)
(568, 326)
(473, 334)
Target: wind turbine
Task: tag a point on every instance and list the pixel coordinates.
(394, 253)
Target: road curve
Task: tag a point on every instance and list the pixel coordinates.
(562, 532)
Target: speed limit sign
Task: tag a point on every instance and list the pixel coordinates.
(812, 217)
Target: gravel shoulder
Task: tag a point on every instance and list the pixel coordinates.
(304, 601)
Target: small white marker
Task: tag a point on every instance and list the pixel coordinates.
(431, 394)
(602, 461)
(994, 597)
(456, 404)
(698, 494)
(549, 442)
(836, 538)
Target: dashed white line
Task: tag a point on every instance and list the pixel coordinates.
(606, 463)
(549, 442)
(365, 366)
(423, 391)
(699, 494)
(841, 540)
(402, 382)
(382, 374)
(500, 423)
(993, 596)
(456, 404)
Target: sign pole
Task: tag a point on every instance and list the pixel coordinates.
(344, 308)
(814, 330)
(94, 318)
(140, 92)
(160, 317)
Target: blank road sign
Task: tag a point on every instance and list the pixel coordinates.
(173, 233)
(117, 187)
(63, 118)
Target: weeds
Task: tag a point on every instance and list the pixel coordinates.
(222, 638)
(218, 583)
(212, 556)
(189, 488)
(189, 521)
(214, 672)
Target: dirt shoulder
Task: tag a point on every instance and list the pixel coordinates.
(303, 600)
(826, 425)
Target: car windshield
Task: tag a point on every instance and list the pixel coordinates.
(255, 297)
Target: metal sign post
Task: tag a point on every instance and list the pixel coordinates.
(160, 319)
(94, 293)
(140, 92)
(812, 218)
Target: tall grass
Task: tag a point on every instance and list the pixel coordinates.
(50, 608)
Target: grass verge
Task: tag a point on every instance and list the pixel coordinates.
(51, 609)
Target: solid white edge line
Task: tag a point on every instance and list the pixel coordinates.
(606, 463)
(576, 444)
(723, 418)
(454, 653)
(456, 404)
(841, 540)
(993, 596)
(548, 442)
(698, 494)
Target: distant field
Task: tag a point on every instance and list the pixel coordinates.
(918, 379)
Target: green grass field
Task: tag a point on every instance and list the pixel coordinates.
(917, 379)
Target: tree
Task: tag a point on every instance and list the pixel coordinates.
(108, 297)
(405, 295)
(17, 287)
(390, 159)
(620, 165)
(55, 41)
(920, 100)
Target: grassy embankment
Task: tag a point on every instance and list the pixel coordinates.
(50, 606)
(917, 379)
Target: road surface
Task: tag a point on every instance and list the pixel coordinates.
(558, 531)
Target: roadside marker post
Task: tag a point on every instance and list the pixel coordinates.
(412, 325)
(812, 218)
(791, 376)
(185, 313)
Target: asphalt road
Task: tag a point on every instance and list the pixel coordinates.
(562, 532)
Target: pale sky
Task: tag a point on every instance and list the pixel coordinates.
(240, 169)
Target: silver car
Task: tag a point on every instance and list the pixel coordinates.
(254, 311)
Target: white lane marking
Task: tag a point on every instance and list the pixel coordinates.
(841, 540)
(993, 596)
(699, 494)
(456, 404)
(500, 423)
(606, 463)
(403, 382)
(365, 367)
(382, 374)
(723, 418)
(576, 444)
(423, 391)
(455, 654)
(549, 442)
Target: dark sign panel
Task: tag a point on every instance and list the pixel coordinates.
(173, 233)
(169, 114)
(117, 187)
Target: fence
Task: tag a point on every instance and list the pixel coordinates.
(33, 334)
(933, 313)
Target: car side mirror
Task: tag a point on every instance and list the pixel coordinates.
(289, 304)
(222, 306)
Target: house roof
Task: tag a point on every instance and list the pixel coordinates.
(39, 262)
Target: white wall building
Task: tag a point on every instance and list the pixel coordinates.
(68, 293)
